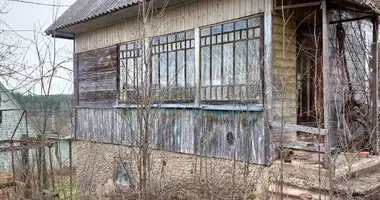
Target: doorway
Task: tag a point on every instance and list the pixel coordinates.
(309, 79)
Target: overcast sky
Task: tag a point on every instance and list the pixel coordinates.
(17, 26)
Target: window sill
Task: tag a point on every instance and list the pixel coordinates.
(228, 107)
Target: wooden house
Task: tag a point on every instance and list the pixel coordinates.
(13, 124)
(227, 78)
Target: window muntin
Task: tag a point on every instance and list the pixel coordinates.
(174, 66)
(231, 60)
(131, 72)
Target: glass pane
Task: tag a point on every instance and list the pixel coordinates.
(216, 65)
(155, 40)
(243, 34)
(225, 37)
(181, 68)
(130, 72)
(171, 38)
(253, 22)
(180, 36)
(240, 62)
(203, 41)
(155, 70)
(228, 60)
(208, 40)
(240, 25)
(231, 37)
(205, 31)
(123, 47)
(163, 39)
(205, 58)
(216, 29)
(122, 177)
(254, 61)
(250, 33)
(139, 70)
(257, 32)
(190, 34)
(130, 46)
(213, 39)
(237, 35)
(190, 68)
(228, 27)
(219, 40)
(163, 69)
(172, 70)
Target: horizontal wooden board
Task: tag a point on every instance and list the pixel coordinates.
(97, 76)
(191, 131)
(175, 19)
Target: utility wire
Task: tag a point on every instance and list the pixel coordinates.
(37, 3)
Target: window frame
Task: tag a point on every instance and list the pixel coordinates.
(210, 44)
(186, 45)
(123, 163)
(196, 46)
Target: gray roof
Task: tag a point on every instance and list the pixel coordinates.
(84, 10)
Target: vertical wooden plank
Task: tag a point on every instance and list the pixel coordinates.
(375, 85)
(326, 78)
(197, 51)
(268, 76)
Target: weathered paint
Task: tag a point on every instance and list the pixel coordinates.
(191, 131)
(177, 18)
(97, 76)
(284, 72)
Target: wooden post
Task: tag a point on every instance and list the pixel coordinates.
(197, 55)
(326, 79)
(25, 169)
(268, 79)
(375, 86)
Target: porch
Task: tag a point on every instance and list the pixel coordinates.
(326, 65)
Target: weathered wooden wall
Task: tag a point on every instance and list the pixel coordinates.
(96, 76)
(284, 72)
(182, 17)
(191, 131)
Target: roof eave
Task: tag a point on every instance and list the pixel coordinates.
(60, 34)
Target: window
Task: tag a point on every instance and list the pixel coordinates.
(231, 61)
(131, 68)
(122, 176)
(174, 66)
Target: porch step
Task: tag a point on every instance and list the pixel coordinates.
(307, 146)
(291, 192)
(301, 181)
